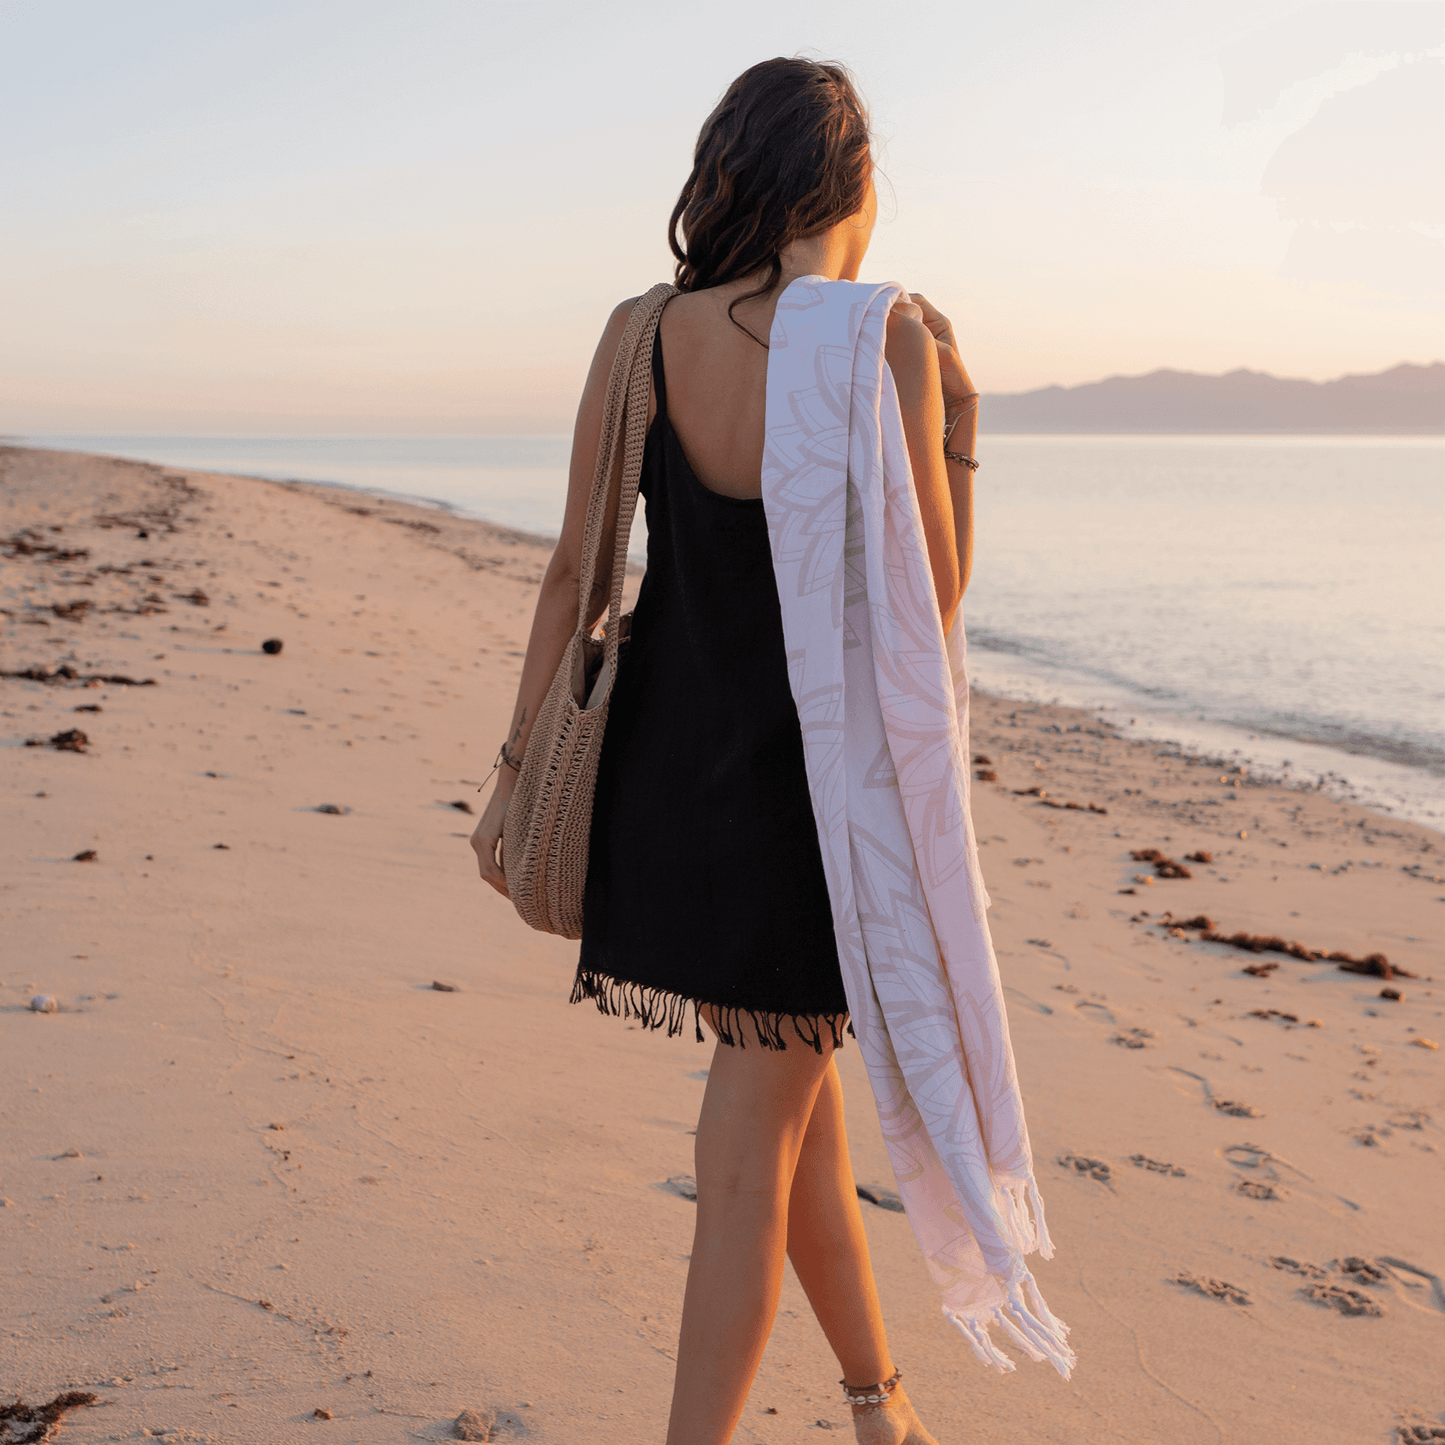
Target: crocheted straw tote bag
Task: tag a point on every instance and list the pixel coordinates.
(549, 818)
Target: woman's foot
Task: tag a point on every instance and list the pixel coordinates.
(892, 1424)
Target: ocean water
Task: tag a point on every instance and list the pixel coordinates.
(1278, 598)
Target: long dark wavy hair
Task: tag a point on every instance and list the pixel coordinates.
(786, 154)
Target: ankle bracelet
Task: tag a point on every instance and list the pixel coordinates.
(878, 1394)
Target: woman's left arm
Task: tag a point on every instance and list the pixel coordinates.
(960, 419)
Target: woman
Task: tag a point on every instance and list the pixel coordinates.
(705, 888)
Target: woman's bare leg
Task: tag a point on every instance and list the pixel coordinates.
(828, 1247)
(829, 1251)
(754, 1115)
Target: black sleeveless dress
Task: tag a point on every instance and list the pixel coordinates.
(705, 882)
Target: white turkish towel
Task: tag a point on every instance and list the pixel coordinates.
(883, 702)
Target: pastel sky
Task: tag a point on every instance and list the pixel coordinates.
(359, 216)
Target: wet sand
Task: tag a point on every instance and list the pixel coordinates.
(257, 1166)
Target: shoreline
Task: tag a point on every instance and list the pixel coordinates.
(1369, 777)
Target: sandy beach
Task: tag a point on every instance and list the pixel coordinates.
(314, 1148)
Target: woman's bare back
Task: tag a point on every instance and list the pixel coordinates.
(717, 378)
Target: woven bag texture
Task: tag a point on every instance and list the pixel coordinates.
(549, 818)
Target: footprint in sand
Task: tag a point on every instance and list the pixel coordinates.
(1213, 1288)
(883, 1198)
(1132, 1038)
(1237, 1110)
(1156, 1166)
(1418, 1287)
(1346, 1301)
(682, 1185)
(1297, 1266)
(1094, 1168)
(1253, 1189)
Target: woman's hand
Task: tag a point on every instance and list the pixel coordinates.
(487, 837)
(957, 388)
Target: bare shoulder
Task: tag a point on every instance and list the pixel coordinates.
(621, 312)
(611, 340)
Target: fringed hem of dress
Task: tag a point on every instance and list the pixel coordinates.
(656, 1008)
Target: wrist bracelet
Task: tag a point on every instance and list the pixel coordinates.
(959, 457)
(949, 427)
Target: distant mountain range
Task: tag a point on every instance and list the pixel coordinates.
(1406, 400)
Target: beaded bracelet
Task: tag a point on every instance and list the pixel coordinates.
(970, 462)
(878, 1394)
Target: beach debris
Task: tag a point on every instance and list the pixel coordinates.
(883, 1198)
(1423, 1043)
(29, 1424)
(1042, 795)
(1237, 1110)
(335, 809)
(1253, 1189)
(88, 707)
(682, 1185)
(1420, 1434)
(1039, 942)
(66, 673)
(1201, 922)
(272, 646)
(1094, 1168)
(86, 855)
(474, 1424)
(1075, 807)
(224, 847)
(1199, 857)
(1128, 890)
(1133, 1038)
(443, 987)
(1272, 1013)
(1260, 970)
(1155, 1166)
(278, 1127)
(320, 1414)
(28, 543)
(44, 1003)
(1392, 993)
(71, 611)
(1213, 1288)
(1346, 1301)
(1296, 1266)
(199, 599)
(461, 805)
(1375, 963)
(982, 758)
(1243, 834)
(72, 740)
(986, 775)
(1164, 867)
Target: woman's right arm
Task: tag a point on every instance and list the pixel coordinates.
(556, 616)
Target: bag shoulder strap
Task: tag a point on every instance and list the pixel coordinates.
(624, 424)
